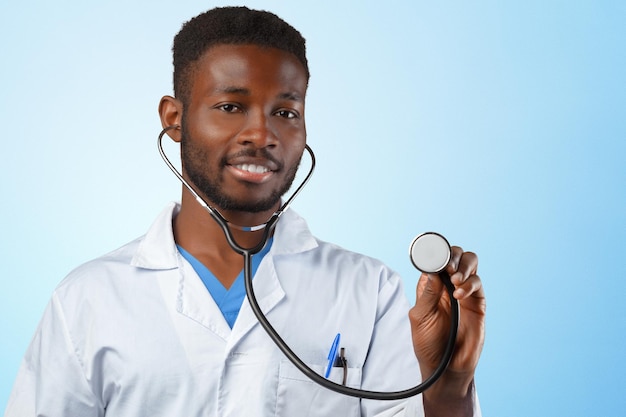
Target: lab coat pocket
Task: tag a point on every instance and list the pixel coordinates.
(299, 396)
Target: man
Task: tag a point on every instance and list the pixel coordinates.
(160, 327)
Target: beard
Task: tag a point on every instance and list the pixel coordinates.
(209, 182)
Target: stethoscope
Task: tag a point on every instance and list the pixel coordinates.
(429, 252)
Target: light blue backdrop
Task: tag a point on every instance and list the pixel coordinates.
(499, 124)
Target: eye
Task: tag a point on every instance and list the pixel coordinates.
(287, 114)
(229, 108)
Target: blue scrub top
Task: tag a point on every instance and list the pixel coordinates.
(228, 300)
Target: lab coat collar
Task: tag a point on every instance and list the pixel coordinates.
(157, 249)
(292, 235)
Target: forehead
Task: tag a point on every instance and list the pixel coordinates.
(251, 67)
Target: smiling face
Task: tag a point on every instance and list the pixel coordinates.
(243, 130)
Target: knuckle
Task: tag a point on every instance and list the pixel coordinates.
(471, 255)
(456, 250)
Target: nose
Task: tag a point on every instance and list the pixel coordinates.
(257, 131)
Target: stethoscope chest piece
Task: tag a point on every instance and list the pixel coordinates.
(430, 252)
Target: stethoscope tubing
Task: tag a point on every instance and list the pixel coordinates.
(247, 254)
(342, 389)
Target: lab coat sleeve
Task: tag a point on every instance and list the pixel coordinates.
(51, 381)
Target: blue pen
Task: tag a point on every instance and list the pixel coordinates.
(332, 354)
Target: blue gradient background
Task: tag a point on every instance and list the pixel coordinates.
(500, 124)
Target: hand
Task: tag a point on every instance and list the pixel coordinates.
(430, 325)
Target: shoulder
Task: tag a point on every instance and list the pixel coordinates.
(104, 268)
(296, 245)
(346, 267)
(108, 289)
(332, 252)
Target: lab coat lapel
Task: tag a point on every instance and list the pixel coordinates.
(158, 251)
(268, 292)
(291, 236)
(196, 303)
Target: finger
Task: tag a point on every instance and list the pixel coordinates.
(472, 286)
(455, 258)
(468, 266)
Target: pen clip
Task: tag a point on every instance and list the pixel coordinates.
(343, 362)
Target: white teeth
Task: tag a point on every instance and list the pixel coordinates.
(257, 169)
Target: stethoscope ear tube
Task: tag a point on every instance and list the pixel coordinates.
(217, 216)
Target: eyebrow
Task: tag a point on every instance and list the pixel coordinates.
(233, 90)
(291, 95)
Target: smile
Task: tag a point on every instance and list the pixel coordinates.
(251, 173)
(256, 169)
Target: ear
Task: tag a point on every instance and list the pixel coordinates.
(171, 113)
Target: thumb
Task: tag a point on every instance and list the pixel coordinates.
(429, 289)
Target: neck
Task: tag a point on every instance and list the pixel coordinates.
(194, 227)
(200, 234)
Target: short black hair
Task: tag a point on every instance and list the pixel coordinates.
(234, 26)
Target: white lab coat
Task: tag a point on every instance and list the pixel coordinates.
(136, 333)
